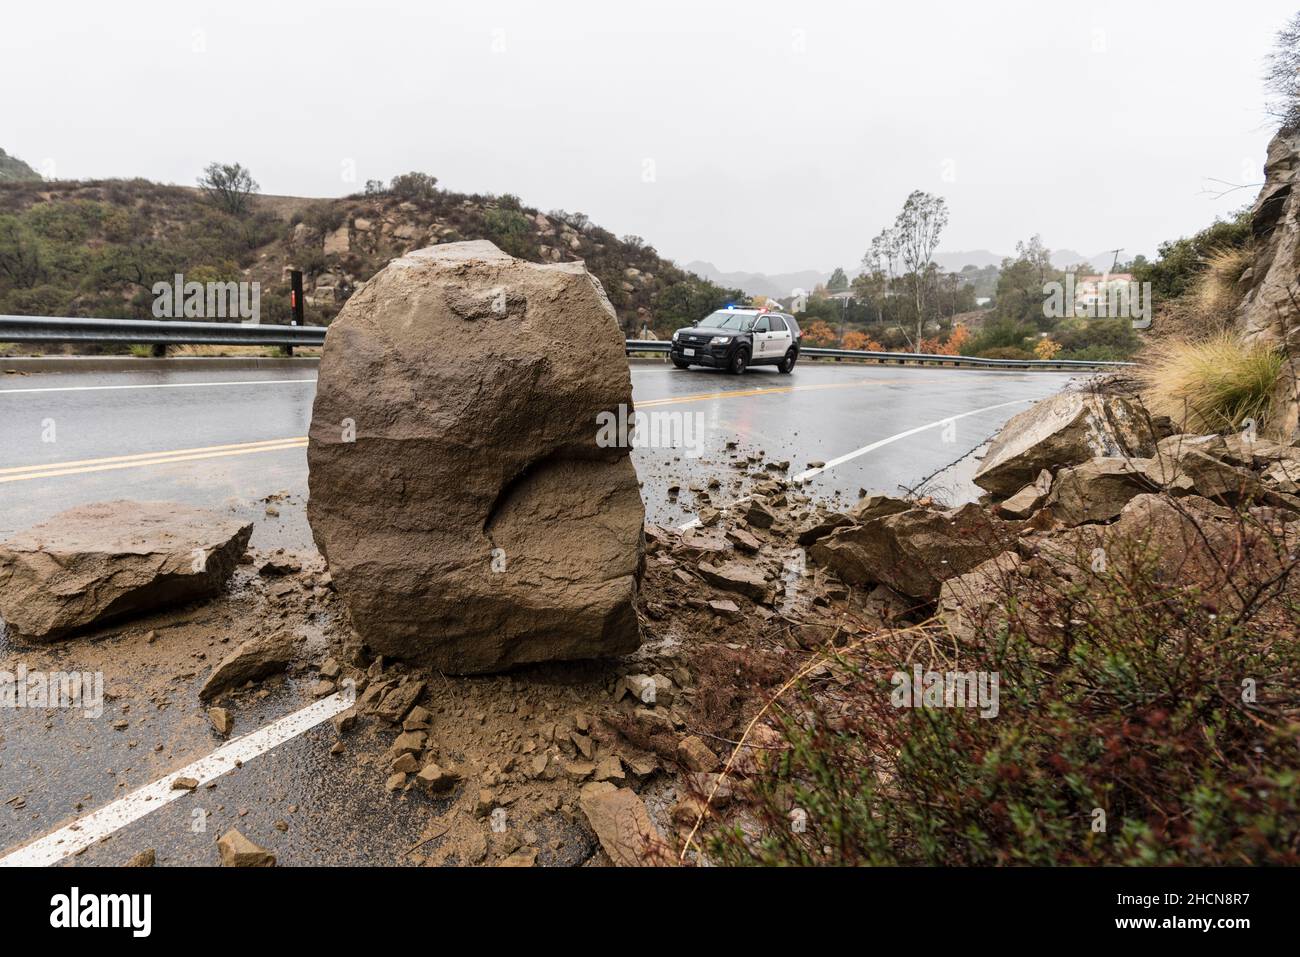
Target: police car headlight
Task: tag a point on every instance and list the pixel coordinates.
(719, 340)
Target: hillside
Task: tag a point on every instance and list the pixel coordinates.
(14, 170)
(96, 248)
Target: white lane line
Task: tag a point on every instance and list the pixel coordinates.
(153, 385)
(94, 827)
(812, 473)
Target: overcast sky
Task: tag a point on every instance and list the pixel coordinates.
(764, 136)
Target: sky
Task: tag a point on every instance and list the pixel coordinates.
(758, 136)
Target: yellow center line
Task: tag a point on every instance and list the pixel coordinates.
(24, 473)
(251, 446)
(182, 455)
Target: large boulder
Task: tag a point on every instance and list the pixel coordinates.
(473, 515)
(913, 552)
(95, 564)
(1067, 429)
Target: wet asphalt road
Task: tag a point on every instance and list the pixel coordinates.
(229, 440)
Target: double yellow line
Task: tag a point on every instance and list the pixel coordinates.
(26, 473)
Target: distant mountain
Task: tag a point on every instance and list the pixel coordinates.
(14, 170)
(1061, 259)
(1101, 262)
(955, 262)
(774, 286)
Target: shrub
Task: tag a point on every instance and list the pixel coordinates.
(1211, 385)
(1005, 352)
(1122, 703)
(414, 187)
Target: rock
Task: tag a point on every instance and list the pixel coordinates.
(434, 778)
(652, 690)
(279, 565)
(1067, 429)
(1190, 470)
(623, 826)
(524, 857)
(822, 527)
(477, 518)
(399, 701)
(737, 577)
(878, 506)
(1029, 499)
(95, 564)
(913, 552)
(968, 602)
(695, 755)
(1097, 490)
(236, 850)
(336, 242)
(221, 721)
(609, 769)
(252, 660)
(145, 858)
(758, 514)
(743, 541)
(725, 607)
(185, 784)
(1268, 312)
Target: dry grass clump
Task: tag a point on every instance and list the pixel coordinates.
(1216, 292)
(1209, 307)
(1212, 384)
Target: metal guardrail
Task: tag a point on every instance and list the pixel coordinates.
(915, 358)
(155, 332)
(162, 333)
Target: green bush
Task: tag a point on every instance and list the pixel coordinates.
(1123, 702)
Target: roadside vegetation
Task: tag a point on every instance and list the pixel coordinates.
(1144, 720)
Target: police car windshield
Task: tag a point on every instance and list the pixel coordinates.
(729, 320)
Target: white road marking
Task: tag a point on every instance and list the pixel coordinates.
(94, 827)
(812, 473)
(153, 385)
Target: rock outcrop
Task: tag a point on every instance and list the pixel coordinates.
(470, 517)
(1270, 310)
(1067, 429)
(95, 564)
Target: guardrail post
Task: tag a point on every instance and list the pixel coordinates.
(159, 350)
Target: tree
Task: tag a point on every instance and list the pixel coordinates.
(917, 230)
(839, 282)
(229, 186)
(414, 186)
(1282, 78)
